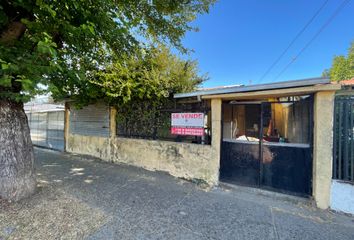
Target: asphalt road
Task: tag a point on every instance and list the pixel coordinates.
(140, 204)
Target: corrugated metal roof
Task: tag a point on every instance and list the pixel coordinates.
(256, 87)
(43, 107)
(219, 87)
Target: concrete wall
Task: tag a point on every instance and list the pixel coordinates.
(185, 160)
(89, 145)
(190, 161)
(342, 196)
(323, 144)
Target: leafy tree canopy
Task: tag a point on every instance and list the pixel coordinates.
(342, 66)
(67, 47)
(153, 75)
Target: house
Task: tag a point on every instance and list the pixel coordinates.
(276, 136)
(294, 137)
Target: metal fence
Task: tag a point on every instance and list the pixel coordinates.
(145, 121)
(92, 120)
(343, 145)
(47, 129)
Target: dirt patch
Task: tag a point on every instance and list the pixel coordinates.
(49, 214)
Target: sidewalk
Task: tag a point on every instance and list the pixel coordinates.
(82, 197)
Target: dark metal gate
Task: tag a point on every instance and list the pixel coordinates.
(284, 167)
(240, 163)
(343, 135)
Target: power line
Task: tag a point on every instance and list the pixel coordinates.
(294, 40)
(344, 3)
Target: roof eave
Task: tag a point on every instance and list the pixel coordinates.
(257, 87)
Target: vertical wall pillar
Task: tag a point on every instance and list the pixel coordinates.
(112, 122)
(66, 125)
(216, 105)
(322, 149)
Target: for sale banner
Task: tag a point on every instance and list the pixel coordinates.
(191, 124)
(187, 131)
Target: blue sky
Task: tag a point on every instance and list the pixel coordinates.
(239, 40)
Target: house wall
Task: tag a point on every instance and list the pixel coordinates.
(342, 196)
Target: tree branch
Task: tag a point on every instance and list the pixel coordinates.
(13, 32)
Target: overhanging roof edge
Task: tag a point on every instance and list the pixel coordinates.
(256, 87)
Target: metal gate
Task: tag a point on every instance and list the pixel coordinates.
(47, 129)
(343, 135)
(284, 167)
(92, 120)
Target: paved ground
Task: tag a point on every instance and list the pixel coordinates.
(139, 204)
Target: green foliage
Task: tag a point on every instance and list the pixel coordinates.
(142, 86)
(342, 66)
(60, 46)
(150, 75)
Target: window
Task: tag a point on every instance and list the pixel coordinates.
(276, 121)
(288, 121)
(241, 122)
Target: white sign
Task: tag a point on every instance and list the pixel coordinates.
(195, 120)
(191, 124)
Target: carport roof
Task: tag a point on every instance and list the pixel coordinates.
(257, 87)
(43, 107)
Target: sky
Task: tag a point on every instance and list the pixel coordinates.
(238, 40)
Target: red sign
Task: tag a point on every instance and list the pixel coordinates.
(187, 131)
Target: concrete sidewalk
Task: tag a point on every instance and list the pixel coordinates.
(139, 204)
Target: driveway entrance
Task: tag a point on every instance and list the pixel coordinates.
(268, 144)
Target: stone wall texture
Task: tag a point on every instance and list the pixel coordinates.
(184, 160)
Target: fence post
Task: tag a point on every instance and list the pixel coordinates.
(112, 122)
(216, 105)
(66, 125)
(322, 151)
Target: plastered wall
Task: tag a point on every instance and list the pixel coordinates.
(322, 148)
(184, 160)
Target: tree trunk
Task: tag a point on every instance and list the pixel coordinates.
(17, 178)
